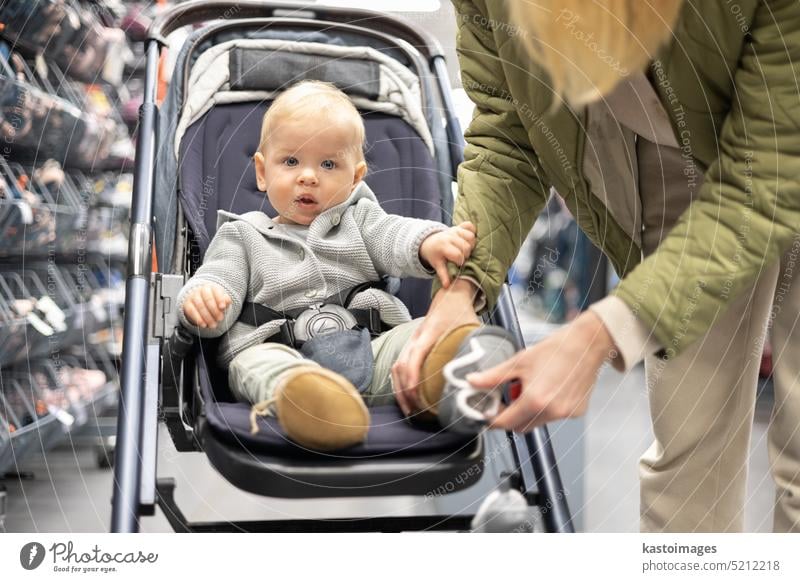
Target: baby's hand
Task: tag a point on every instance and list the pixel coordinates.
(206, 305)
(454, 244)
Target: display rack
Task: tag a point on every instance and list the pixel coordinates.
(68, 85)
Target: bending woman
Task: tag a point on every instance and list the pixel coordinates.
(670, 130)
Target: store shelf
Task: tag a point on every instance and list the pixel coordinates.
(65, 196)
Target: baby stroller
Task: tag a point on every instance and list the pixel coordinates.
(225, 77)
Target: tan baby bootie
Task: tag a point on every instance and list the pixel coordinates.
(431, 378)
(320, 409)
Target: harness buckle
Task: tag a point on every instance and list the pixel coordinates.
(320, 319)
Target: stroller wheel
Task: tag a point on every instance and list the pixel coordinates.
(104, 457)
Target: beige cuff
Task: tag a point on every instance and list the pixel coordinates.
(479, 303)
(633, 339)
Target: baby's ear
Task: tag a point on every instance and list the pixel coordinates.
(360, 172)
(261, 171)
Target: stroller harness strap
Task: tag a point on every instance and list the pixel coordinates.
(332, 314)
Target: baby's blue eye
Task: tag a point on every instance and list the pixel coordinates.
(290, 161)
(328, 164)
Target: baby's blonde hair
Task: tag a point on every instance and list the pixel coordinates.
(588, 46)
(314, 100)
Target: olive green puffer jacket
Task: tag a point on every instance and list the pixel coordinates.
(730, 82)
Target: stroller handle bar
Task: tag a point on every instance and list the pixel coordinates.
(198, 11)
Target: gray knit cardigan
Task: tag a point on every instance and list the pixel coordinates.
(256, 260)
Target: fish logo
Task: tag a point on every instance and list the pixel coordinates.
(31, 555)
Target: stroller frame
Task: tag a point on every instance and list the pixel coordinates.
(146, 400)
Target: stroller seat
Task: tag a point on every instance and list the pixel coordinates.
(396, 459)
(226, 76)
(219, 147)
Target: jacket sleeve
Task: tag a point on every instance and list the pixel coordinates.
(225, 264)
(748, 209)
(393, 241)
(501, 188)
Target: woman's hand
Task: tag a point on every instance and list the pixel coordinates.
(449, 309)
(557, 374)
(206, 305)
(454, 244)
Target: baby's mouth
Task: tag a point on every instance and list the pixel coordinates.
(305, 201)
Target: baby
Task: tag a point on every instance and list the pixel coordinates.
(331, 239)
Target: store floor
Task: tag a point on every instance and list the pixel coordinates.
(69, 493)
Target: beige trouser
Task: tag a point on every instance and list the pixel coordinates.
(693, 476)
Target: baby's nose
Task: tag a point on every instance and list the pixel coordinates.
(307, 176)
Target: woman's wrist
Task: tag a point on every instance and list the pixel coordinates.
(460, 288)
(465, 286)
(458, 297)
(597, 335)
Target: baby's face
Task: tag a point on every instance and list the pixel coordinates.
(307, 168)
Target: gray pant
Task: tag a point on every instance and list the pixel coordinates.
(254, 373)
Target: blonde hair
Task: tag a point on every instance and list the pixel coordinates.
(588, 46)
(315, 100)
